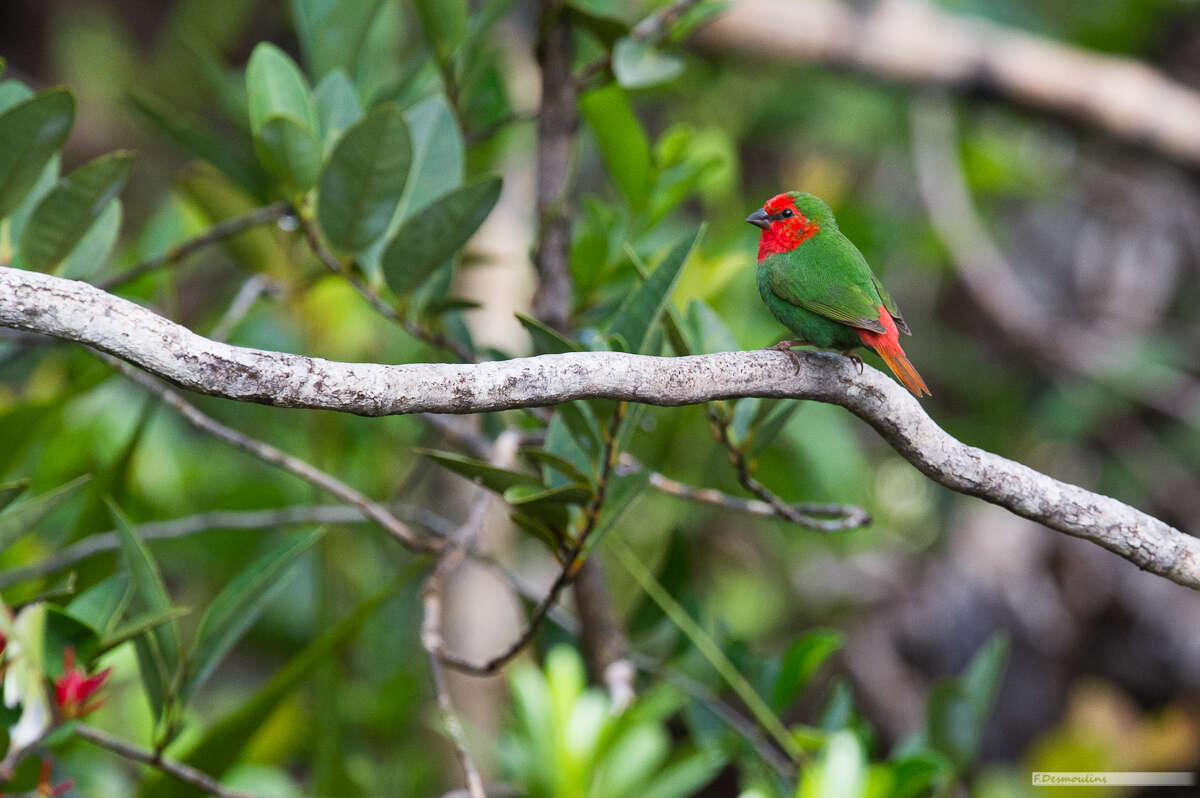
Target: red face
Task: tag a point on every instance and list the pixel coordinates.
(784, 226)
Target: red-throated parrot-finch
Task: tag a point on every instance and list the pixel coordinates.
(820, 287)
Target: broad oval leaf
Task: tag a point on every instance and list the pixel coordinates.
(289, 151)
(66, 214)
(332, 33)
(237, 606)
(444, 23)
(337, 106)
(31, 132)
(434, 234)
(275, 86)
(636, 64)
(364, 178)
(13, 92)
(93, 250)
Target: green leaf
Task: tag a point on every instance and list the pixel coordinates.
(622, 490)
(332, 32)
(31, 132)
(289, 151)
(686, 775)
(539, 530)
(436, 233)
(546, 340)
(337, 106)
(93, 250)
(161, 648)
(275, 86)
(102, 605)
(766, 431)
(225, 742)
(236, 607)
(636, 64)
(547, 504)
(140, 625)
(13, 92)
(958, 708)
(841, 771)
(363, 180)
(19, 218)
(66, 214)
(560, 464)
(62, 631)
(18, 519)
(486, 474)
(800, 664)
(623, 143)
(597, 21)
(641, 309)
(707, 331)
(12, 490)
(195, 137)
(444, 23)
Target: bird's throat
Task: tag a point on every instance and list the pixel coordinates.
(784, 236)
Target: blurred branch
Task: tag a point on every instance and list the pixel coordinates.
(454, 551)
(80, 312)
(913, 42)
(1088, 351)
(185, 773)
(313, 236)
(215, 234)
(850, 517)
(557, 123)
(103, 542)
(269, 454)
(255, 287)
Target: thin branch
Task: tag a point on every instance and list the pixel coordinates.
(243, 301)
(313, 236)
(103, 542)
(80, 312)
(185, 773)
(848, 516)
(269, 454)
(995, 287)
(913, 42)
(215, 234)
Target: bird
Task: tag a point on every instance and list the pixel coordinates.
(818, 285)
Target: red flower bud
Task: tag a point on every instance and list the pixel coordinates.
(73, 689)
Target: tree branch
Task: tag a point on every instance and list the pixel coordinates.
(910, 41)
(80, 312)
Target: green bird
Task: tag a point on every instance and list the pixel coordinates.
(820, 287)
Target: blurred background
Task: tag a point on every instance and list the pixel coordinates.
(1044, 254)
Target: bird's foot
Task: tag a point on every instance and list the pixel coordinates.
(855, 359)
(785, 346)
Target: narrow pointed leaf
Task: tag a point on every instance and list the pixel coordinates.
(18, 519)
(152, 596)
(539, 530)
(547, 504)
(12, 490)
(31, 132)
(364, 177)
(142, 624)
(486, 474)
(546, 340)
(434, 234)
(102, 605)
(800, 664)
(236, 608)
(62, 631)
(623, 143)
(639, 311)
(560, 464)
(66, 214)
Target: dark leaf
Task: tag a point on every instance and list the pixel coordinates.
(18, 519)
(486, 474)
(31, 132)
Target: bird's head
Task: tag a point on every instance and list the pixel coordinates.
(788, 220)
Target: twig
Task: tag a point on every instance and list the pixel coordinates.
(243, 301)
(269, 454)
(216, 233)
(851, 517)
(914, 42)
(80, 312)
(185, 773)
(103, 542)
(313, 236)
(996, 288)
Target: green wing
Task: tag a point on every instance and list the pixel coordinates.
(832, 279)
(891, 306)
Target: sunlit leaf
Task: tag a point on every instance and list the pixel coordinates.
(637, 65)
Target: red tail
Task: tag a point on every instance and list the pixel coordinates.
(887, 345)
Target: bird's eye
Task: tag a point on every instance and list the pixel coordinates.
(787, 213)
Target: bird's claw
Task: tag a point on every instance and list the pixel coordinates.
(786, 347)
(855, 359)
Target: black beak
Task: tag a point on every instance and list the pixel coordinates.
(759, 219)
